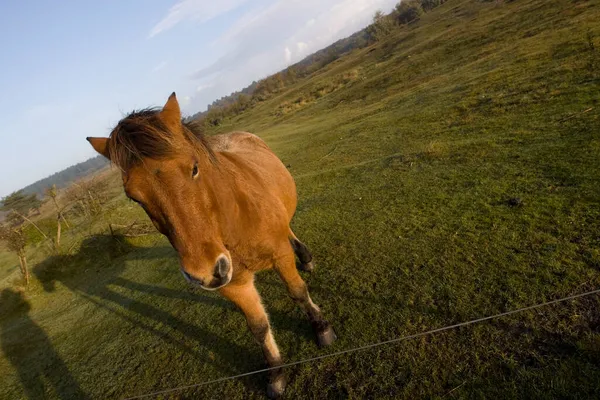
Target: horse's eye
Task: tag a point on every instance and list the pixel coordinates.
(195, 171)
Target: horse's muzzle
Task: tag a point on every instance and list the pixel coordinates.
(221, 276)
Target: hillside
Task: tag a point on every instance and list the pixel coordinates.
(447, 172)
(63, 178)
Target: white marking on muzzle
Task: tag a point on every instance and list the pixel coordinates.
(229, 274)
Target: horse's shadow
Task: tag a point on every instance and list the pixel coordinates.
(95, 274)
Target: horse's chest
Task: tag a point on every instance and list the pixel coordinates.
(253, 258)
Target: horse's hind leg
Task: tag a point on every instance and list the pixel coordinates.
(305, 258)
(286, 268)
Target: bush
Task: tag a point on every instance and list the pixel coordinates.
(429, 5)
(87, 196)
(408, 10)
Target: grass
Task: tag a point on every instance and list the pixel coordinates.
(9, 263)
(448, 173)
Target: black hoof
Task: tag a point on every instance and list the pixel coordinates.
(276, 388)
(326, 337)
(306, 267)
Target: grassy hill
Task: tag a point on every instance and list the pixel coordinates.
(447, 173)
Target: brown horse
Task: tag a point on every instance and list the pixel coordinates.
(225, 203)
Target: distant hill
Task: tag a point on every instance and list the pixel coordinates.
(66, 176)
(260, 91)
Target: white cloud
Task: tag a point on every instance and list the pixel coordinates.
(204, 87)
(248, 21)
(196, 10)
(288, 55)
(158, 67)
(301, 48)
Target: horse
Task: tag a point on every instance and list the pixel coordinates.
(225, 203)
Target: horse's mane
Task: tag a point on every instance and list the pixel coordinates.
(142, 134)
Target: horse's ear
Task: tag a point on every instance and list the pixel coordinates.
(171, 113)
(100, 145)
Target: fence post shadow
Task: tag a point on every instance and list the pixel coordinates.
(30, 351)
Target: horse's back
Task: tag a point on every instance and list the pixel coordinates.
(250, 153)
(236, 142)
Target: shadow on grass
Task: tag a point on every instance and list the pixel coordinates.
(94, 273)
(30, 351)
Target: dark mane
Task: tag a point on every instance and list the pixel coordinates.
(142, 134)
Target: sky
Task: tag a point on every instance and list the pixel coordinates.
(72, 68)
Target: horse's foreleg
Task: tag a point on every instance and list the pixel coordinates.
(246, 297)
(286, 267)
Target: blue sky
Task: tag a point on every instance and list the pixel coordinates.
(71, 69)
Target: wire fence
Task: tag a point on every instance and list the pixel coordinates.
(370, 346)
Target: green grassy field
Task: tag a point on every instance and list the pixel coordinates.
(448, 173)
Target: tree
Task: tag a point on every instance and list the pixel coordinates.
(16, 242)
(278, 82)
(213, 117)
(382, 25)
(408, 11)
(20, 202)
(52, 192)
(242, 103)
(291, 74)
(18, 205)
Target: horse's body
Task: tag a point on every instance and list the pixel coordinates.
(263, 200)
(225, 203)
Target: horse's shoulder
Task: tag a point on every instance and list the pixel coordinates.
(237, 141)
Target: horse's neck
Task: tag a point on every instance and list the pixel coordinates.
(229, 196)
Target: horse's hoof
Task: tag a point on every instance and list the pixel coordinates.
(306, 267)
(326, 337)
(276, 388)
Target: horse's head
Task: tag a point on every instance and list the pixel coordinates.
(168, 168)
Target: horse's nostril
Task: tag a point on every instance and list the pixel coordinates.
(221, 268)
(190, 278)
